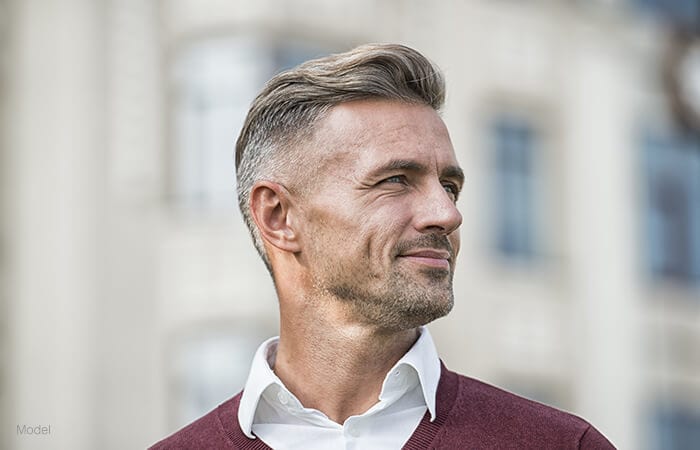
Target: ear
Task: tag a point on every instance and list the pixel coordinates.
(270, 206)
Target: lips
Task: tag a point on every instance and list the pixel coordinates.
(429, 257)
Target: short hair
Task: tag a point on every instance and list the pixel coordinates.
(283, 116)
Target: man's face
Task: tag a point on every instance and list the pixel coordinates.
(379, 225)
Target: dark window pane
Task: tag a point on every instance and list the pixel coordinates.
(681, 12)
(513, 145)
(673, 207)
(676, 428)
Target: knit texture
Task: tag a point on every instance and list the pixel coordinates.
(470, 415)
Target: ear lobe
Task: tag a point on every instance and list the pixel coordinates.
(270, 207)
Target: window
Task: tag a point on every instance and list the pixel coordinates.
(214, 81)
(681, 12)
(673, 207)
(675, 428)
(514, 145)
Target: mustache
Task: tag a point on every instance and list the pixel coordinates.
(435, 241)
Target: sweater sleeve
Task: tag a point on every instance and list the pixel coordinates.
(592, 439)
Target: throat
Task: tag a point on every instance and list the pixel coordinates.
(340, 374)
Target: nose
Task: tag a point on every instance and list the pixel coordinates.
(437, 212)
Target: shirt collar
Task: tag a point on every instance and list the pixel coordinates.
(260, 377)
(422, 357)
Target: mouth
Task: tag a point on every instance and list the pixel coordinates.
(428, 257)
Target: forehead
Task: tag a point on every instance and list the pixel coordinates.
(362, 134)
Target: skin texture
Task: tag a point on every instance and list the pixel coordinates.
(364, 252)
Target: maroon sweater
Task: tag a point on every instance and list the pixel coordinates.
(470, 415)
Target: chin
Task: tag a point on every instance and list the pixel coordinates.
(418, 314)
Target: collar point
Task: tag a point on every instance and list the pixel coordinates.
(249, 434)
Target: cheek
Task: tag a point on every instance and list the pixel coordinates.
(384, 235)
(322, 232)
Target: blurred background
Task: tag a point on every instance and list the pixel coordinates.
(131, 299)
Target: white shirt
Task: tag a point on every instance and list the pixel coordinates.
(271, 412)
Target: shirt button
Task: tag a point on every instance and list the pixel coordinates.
(283, 397)
(399, 378)
(353, 430)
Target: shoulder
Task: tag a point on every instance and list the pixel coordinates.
(206, 432)
(501, 418)
(493, 402)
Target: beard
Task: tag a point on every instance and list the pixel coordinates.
(405, 297)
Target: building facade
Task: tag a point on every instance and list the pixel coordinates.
(134, 299)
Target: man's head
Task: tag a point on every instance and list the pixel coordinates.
(346, 171)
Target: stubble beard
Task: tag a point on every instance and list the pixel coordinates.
(402, 305)
(408, 298)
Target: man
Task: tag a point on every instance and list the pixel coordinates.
(348, 182)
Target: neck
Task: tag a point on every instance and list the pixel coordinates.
(333, 364)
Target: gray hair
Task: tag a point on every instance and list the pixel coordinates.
(286, 111)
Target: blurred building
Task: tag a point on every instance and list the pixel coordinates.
(131, 298)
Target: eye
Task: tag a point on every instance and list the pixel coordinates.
(400, 179)
(452, 190)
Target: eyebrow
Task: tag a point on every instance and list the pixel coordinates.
(412, 166)
(399, 164)
(455, 172)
